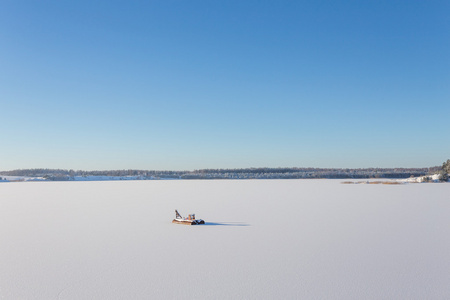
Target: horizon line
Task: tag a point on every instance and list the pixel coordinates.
(240, 168)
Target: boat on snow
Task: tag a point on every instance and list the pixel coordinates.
(190, 220)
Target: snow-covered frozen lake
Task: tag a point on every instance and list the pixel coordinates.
(266, 239)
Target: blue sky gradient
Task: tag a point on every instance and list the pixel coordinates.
(224, 84)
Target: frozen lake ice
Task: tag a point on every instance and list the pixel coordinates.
(266, 239)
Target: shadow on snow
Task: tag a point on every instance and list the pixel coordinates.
(225, 224)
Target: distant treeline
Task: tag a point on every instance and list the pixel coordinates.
(249, 173)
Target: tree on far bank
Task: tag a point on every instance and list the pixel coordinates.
(445, 170)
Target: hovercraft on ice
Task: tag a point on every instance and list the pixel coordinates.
(190, 220)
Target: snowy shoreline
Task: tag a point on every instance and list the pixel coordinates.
(78, 178)
(421, 179)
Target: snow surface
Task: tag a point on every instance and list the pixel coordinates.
(264, 239)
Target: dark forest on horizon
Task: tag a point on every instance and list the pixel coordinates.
(245, 173)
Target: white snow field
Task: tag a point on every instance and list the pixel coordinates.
(266, 239)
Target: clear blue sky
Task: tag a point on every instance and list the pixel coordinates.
(224, 84)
